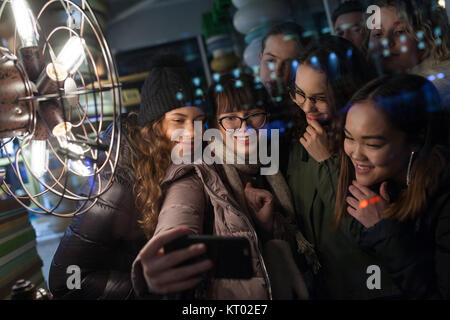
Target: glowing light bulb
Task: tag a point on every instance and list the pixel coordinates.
(441, 3)
(68, 60)
(66, 140)
(39, 154)
(25, 23)
(72, 55)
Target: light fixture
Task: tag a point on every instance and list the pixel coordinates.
(39, 152)
(25, 23)
(44, 101)
(68, 143)
(51, 80)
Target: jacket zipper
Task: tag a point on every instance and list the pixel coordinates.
(266, 274)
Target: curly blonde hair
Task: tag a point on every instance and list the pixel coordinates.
(150, 162)
(423, 17)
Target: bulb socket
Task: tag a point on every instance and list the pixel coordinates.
(33, 61)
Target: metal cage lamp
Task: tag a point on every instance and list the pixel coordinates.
(57, 84)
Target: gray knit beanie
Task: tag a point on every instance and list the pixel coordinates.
(168, 86)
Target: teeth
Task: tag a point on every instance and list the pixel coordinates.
(363, 168)
(242, 138)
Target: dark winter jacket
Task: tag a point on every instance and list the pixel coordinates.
(413, 257)
(414, 254)
(103, 242)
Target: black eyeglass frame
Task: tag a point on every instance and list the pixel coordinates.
(294, 91)
(266, 115)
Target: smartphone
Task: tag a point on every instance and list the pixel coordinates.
(231, 256)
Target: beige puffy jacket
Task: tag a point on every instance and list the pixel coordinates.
(186, 190)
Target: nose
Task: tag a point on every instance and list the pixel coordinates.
(356, 153)
(308, 106)
(244, 126)
(391, 40)
(189, 131)
(279, 70)
(346, 34)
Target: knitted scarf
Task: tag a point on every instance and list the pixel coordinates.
(283, 194)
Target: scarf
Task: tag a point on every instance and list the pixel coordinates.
(283, 194)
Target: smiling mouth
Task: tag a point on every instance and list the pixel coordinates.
(391, 56)
(360, 169)
(314, 117)
(242, 139)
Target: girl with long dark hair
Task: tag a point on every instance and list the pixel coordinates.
(393, 198)
(103, 242)
(329, 73)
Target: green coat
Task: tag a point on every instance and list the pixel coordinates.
(343, 273)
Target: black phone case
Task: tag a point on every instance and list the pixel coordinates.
(231, 255)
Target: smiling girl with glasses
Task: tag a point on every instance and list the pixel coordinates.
(328, 74)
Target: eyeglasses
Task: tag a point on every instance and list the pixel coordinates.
(299, 98)
(254, 120)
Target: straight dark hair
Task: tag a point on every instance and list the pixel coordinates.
(347, 7)
(412, 105)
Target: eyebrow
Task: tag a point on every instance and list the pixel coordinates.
(367, 137)
(313, 95)
(347, 25)
(177, 115)
(271, 54)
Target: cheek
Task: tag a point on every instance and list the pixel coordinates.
(383, 158)
(173, 132)
(325, 110)
(168, 132)
(348, 148)
(223, 133)
(264, 71)
(357, 35)
(374, 46)
(411, 48)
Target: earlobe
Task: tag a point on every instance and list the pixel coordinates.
(414, 148)
(260, 55)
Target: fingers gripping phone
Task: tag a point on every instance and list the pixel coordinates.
(231, 256)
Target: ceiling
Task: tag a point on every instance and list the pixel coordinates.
(118, 6)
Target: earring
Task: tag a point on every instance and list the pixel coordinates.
(409, 168)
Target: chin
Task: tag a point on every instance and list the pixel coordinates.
(366, 181)
(394, 68)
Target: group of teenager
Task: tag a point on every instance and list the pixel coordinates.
(363, 178)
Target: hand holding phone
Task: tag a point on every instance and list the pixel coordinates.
(231, 256)
(162, 272)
